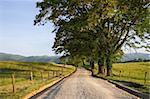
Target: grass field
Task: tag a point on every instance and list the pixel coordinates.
(42, 75)
(131, 74)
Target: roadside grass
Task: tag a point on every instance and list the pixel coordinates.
(42, 75)
(131, 74)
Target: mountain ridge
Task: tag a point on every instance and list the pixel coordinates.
(135, 57)
(14, 57)
(45, 58)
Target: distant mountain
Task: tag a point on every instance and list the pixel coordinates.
(4, 57)
(135, 57)
(12, 57)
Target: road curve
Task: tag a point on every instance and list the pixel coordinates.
(82, 86)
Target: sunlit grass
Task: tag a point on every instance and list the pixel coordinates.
(22, 71)
(132, 71)
(131, 74)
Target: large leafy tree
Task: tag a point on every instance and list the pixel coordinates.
(74, 43)
(76, 16)
(115, 22)
(120, 22)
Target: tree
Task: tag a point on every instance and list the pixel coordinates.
(74, 43)
(119, 22)
(115, 22)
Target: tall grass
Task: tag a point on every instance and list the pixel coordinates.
(131, 74)
(22, 71)
(133, 71)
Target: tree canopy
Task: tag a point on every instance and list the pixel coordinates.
(97, 28)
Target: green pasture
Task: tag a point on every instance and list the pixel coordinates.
(42, 75)
(133, 74)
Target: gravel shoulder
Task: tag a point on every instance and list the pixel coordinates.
(82, 86)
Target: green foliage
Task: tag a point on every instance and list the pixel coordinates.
(96, 27)
(113, 18)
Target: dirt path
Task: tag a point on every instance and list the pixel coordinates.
(82, 86)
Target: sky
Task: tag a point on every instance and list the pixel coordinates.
(18, 35)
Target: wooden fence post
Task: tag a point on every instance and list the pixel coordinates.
(129, 76)
(62, 70)
(31, 76)
(145, 78)
(48, 74)
(41, 75)
(53, 73)
(120, 74)
(57, 73)
(13, 83)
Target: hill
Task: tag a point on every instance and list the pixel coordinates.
(135, 57)
(12, 57)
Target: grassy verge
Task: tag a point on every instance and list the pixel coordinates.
(42, 75)
(130, 74)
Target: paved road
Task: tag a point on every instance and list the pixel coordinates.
(82, 86)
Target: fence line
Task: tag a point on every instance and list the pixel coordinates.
(130, 76)
(13, 83)
(33, 75)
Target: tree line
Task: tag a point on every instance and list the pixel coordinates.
(96, 30)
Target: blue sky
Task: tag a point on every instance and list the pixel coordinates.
(18, 35)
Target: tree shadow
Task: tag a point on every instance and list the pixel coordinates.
(130, 84)
(134, 85)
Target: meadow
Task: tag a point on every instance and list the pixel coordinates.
(133, 74)
(28, 76)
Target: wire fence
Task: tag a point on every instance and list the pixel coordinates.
(133, 76)
(13, 78)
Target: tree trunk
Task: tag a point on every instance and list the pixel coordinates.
(83, 62)
(100, 66)
(108, 65)
(92, 66)
(108, 71)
